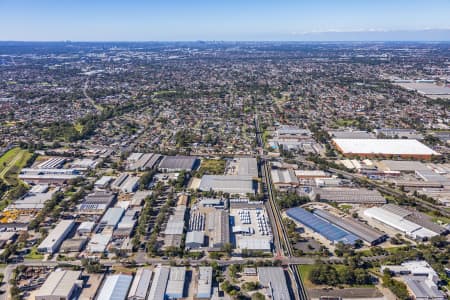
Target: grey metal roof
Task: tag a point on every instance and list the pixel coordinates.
(204, 282)
(422, 289)
(115, 287)
(359, 229)
(274, 279)
(178, 163)
(59, 283)
(233, 184)
(158, 289)
(175, 286)
(141, 284)
(248, 166)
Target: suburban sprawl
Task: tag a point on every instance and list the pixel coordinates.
(219, 170)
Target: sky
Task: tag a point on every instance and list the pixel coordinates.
(250, 20)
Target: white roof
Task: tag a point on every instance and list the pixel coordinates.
(56, 235)
(158, 288)
(115, 287)
(392, 220)
(141, 283)
(99, 242)
(254, 244)
(384, 146)
(59, 283)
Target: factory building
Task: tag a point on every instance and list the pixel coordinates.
(56, 236)
(284, 179)
(141, 284)
(115, 287)
(52, 163)
(103, 182)
(96, 203)
(159, 284)
(204, 287)
(48, 176)
(195, 239)
(232, 184)
(347, 195)
(175, 285)
(178, 163)
(370, 148)
(399, 223)
(126, 183)
(111, 218)
(60, 285)
(98, 243)
(420, 278)
(218, 228)
(142, 161)
(274, 281)
(361, 230)
(331, 232)
(175, 227)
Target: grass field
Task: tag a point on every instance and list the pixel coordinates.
(11, 163)
(34, 254)
(212, 166)
(304, 271)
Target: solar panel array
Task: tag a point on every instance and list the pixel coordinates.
(324, 228)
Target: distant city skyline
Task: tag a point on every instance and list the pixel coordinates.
(233, 20)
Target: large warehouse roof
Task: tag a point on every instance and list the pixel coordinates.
(359, 229)
(58, 284)
(233, 184)
(115, 287)
(158, 288)
(178, 163)
(274, 279)
(328, 230)
(383, 146)
(141, 284)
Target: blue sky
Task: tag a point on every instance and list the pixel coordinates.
(134, 20)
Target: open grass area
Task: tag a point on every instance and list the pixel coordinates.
(304, 271)
(346, 122)
(11, 163)
(212, 167)
(34, 254)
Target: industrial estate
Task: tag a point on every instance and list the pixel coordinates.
(224, 171)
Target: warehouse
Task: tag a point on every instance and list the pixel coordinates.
(311, 174)
(73, 245)
(141, 284)
(405, 166)
(361, 230)
(415, 217)
(399, 223)
(99, 242)
(96, 203)
(251, 228)
(331, 232)
(283, 179)
(111, 218)
(84, 164)
(115, 287)
(48, 176)
(56, 236)
(351, 134)
(33, 200)
(232, 184)
(404, 148)
(218, 228)
(273, 280)
(195, 239)
(175, 285)
(204, 288)
(159, 284)
(60, 284)
(243, 166)
(178, 163)
(103, 182)
(52, 163)
(141, 161)
(175, 227)
(347, 195)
